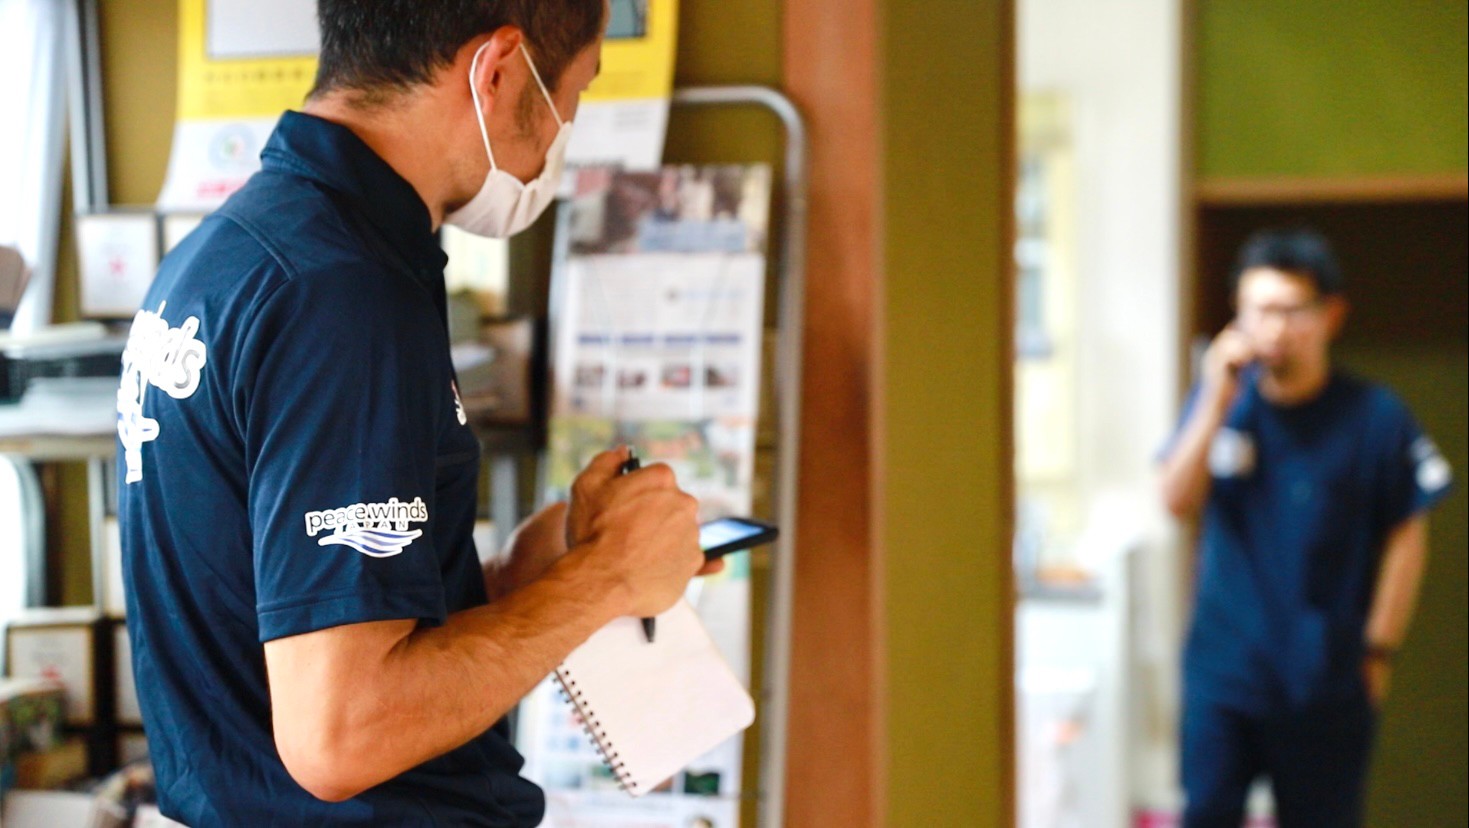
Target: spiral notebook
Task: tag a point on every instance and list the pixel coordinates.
(652, 708)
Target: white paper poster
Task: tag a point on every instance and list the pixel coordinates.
(657, 321)
(117, 257)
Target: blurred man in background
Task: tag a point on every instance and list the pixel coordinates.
(1313, 488)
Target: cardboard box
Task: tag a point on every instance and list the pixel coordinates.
(73, 646)
(132, 746)
(31, 714)
(61, 645)
(54, 768)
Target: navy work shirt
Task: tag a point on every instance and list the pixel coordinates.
(1302, 501)
(295, 457)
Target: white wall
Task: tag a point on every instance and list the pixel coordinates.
(1119, 63)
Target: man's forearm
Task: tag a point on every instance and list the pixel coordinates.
(1184, 472)
(1400, 576)
(410, 695)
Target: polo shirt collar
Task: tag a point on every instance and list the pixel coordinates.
(334, 156)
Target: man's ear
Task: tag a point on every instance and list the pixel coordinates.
(1337, 310)
(495, 52)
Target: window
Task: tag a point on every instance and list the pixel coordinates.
(33, 37)
(32, 64)
(21, 525)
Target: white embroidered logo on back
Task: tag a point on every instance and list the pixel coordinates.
(170, 359)
(378, 530)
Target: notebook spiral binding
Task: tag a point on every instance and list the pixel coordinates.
(593, 727)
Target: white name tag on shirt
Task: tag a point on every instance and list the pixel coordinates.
(1232, 454)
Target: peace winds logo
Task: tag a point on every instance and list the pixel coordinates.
(378, 530)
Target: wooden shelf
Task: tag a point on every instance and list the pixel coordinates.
(1229, 192)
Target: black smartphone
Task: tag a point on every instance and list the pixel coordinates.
(721, 536)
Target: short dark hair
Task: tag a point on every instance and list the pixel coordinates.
(1298, 250)
(381, 47)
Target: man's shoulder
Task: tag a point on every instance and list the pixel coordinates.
(298, 225)
(1373, 400)
(278, 232)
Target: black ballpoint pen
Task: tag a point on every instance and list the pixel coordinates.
(632, 464)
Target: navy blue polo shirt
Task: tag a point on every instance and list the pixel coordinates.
(294, 457)
(1302, 501)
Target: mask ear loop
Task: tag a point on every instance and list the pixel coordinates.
(537, 75)
(479, 111)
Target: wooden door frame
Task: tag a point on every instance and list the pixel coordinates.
(834, 770)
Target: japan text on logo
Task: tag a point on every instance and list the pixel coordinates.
(169, 359)
(378, 530)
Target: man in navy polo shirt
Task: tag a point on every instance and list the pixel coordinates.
(314, 640)
(1314, 488)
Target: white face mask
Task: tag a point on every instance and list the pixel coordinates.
(505, 205)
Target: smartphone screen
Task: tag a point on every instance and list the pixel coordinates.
(724, 535)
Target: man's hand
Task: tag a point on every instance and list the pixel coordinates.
(1377, 675)
(1227, 356)
(536, 544)
(638, 531)
(1184, 479)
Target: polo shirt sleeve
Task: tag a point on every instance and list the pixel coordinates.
(1415, 475)
(339, 416)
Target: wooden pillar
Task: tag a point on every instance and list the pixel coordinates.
(902, 703)
(834, 769)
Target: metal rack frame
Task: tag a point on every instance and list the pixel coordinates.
(790, 324)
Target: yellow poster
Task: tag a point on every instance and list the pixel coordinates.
(624, 115)
(241, 59)
(241, 64)
(244, 62)
(638, 54)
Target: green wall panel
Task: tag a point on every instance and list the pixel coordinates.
(1419, 771)
(946, 88)
(724, 43)
(1326, 88)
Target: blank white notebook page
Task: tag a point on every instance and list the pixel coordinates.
(654, 708)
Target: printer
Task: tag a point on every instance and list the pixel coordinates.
(76, 350)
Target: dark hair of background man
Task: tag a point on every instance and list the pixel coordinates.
(1301, 251)
(382, 47)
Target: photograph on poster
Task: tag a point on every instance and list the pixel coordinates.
(628, 19)
(712, 209)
